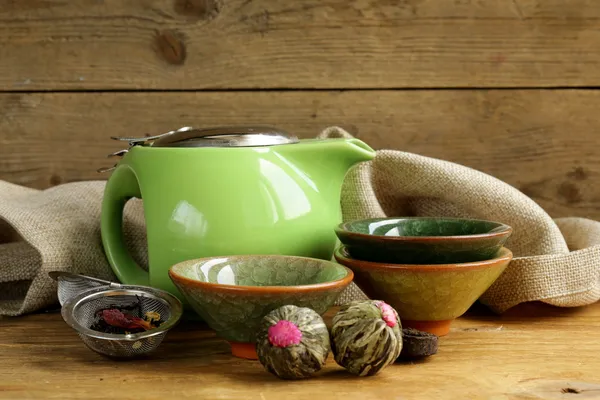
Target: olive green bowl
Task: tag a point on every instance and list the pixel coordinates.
(426, 297)
(423, 240)
(232, 294)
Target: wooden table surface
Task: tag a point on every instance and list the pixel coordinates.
(533, 351)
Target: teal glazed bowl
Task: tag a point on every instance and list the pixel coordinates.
(233, 293)
(423, 240)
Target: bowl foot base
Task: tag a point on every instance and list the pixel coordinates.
(439, 328)
(244, 350)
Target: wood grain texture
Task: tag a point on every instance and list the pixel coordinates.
(541, 141)
(200, 44)
(532, 352)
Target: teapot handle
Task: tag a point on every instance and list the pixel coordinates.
(121, 186)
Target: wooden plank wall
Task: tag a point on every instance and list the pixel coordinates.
(505, 86)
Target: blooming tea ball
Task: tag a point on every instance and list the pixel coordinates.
(366, 336)
(292, 342)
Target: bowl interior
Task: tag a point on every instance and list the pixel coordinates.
(265, 271)
(423, 227)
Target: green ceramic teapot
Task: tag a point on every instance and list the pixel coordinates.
(226, 191)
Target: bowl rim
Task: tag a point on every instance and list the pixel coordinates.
(315, 287)
(342, 256)
(506, 230)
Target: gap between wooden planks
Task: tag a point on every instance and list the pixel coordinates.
(540, 141)
(202, 44)
(533, 351)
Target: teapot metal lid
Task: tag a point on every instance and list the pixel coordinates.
(225, 136)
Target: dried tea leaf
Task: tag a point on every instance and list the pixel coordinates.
(417, 344)
(123, 320)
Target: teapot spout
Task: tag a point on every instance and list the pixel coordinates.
(342, 154)
(327, 160)
(356, 151)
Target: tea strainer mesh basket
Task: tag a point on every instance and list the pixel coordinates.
(83, 297)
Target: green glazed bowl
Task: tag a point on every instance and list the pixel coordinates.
(232, 294)
(426, 297)
(423, 240)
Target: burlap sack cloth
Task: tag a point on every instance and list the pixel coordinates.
(556, 261)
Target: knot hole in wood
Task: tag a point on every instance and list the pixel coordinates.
(198, 9)
(170, 46)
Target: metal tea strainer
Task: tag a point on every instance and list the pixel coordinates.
(82, 296)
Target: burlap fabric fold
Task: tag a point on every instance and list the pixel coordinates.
(55, 229)
(556, 261)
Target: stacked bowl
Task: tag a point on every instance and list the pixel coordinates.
(431, 270)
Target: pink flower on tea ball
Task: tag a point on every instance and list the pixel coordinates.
(387, 313)
(284, 333)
